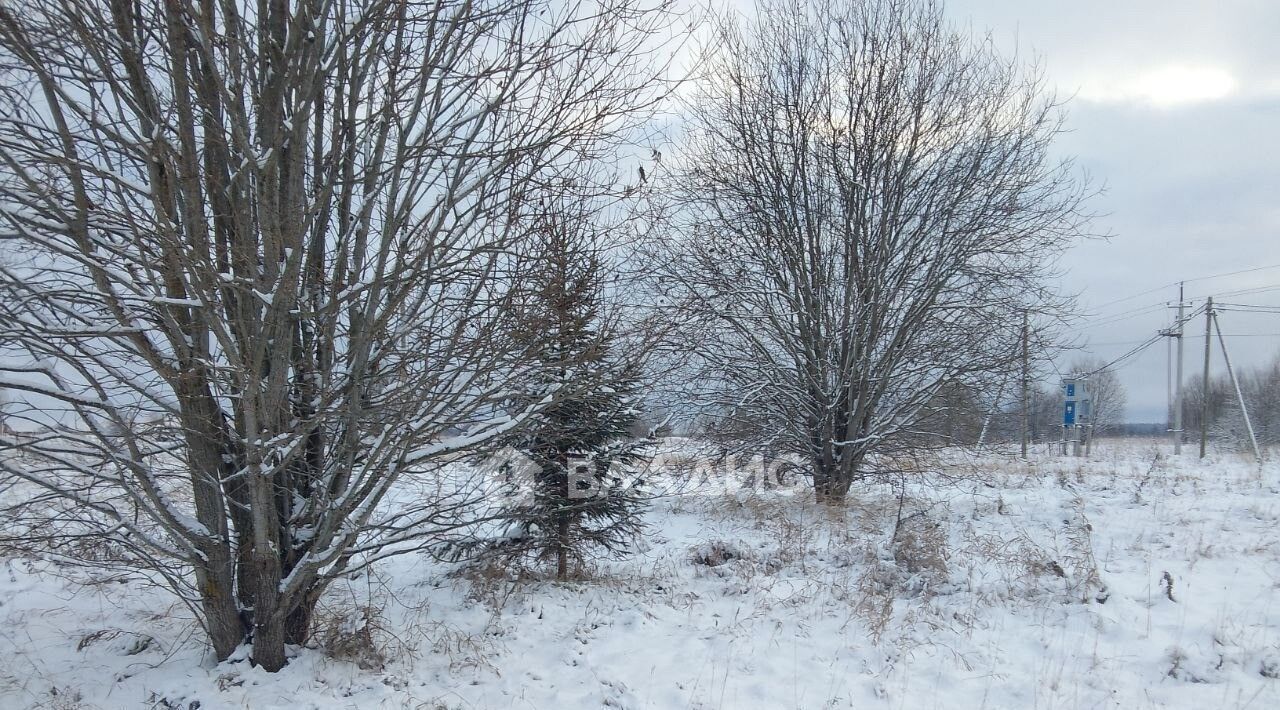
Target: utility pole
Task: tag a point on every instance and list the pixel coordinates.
(1026, 381)
(1177, 398)
(1204, 399)
(1168, 381)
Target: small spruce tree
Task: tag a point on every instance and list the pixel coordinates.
(583, 499)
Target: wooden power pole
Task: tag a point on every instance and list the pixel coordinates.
(1177, 397)
(1204, 398)
(1026, 381)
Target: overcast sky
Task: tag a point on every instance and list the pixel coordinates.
(1176, 110)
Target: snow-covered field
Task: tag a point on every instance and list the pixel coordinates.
(1132, 580)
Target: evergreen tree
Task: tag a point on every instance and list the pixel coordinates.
(582, 445)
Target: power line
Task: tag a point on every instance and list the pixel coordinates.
(1143, 345)
(1231, 273)
(1241, 308)
(1120, 316)
(1247, 291)
(1194, 278)
(1136, 295)
(1135, 309)
(1126, 315)
(1225, 335)
(1131, 353)
(1114, 342)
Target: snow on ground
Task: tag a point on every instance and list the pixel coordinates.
(1132, 580)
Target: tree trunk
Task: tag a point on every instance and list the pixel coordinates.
(821, 480)
(222, 614)
(834, 476)
(268, 616)
(841, 482)
(297, 625)
(562, 548)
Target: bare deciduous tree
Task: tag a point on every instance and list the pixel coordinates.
(258, 258)
(871, 202)
(1260, 386)
(1262, 396)
(1107, 397)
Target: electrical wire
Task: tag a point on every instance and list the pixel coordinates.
(1247, 291)
(1121, 316)
(1136, 295)
(1246, 309)
(1194, 278)
(1126, 315)
(1230, 273)
(1142, 346)
(1225, 335)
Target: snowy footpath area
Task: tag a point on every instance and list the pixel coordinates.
(1130, 580)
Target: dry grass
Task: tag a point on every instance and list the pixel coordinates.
(356, 636)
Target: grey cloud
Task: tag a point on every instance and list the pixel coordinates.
(1191, 189)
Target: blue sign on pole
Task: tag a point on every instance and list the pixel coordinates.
(1071, 390)
(1069, 414)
